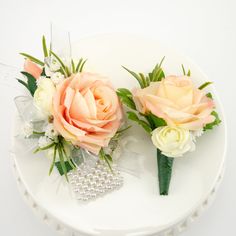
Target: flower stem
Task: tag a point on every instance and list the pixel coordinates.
(164, 172)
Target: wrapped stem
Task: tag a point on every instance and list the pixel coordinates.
(164, 172)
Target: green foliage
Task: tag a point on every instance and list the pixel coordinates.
(204, 85)
(156, 121)
(165, 165)
(157, 74)
(106, 157)
(80, 65)
(216, 122)
(31, 84)
(45, 50)
(133, 116)
(140, 80)
(73, 66)
(65, 70)
(184, 72)
(67, 167)
(126, 98)
(33, 59)
(209, 95)
(65, 164)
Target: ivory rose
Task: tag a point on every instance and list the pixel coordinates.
(32, 68)
(173, 141)
(87, 111)
(177, 101)
(43, 96)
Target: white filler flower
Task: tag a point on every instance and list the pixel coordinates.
(43, 96)
(57, 78)
(173, 141)
(27, 129)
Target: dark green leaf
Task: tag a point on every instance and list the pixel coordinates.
(65, 154)
(189, 73)
(164, 172)
(108, 157)
(217, 121)
(133, 116)
(45, 50)
(209, 95)
(23, 82)
(59, 167)
(31, 82)
(204, 85)
(184, 72)
(73, 66)
(33, 59)
(62, 162)
(157, 120)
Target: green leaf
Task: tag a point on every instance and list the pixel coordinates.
(78, 65)
(209, 95)
(136, 76)
(106, 157)
(65, 154)
(125, 91)
(189, 73)
(123, 130)
(73, 66)
(33, 59)
(133, 116)
(184, 72)
(31, 82)
(82, 65)
(126, 98)
(157, 74)
(44, 148)
(54, 159)
(45, 50)
(62, 162)
(204, 85)
(157, 120)
(144, 81)
(216, 122)
(65, 69)
(59, 167)
(23, 82)
(165, 165)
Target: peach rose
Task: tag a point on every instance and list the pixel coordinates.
(33, 69)
(177, 101)
(87, 111)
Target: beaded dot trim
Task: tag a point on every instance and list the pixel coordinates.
(89, 183)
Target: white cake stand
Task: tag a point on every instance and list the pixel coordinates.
(135, 209)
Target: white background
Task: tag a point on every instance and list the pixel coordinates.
(204, 30)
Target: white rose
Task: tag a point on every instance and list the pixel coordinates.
(43, 96)
(173, 141)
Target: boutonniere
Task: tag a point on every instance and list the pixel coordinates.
(173, 111)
